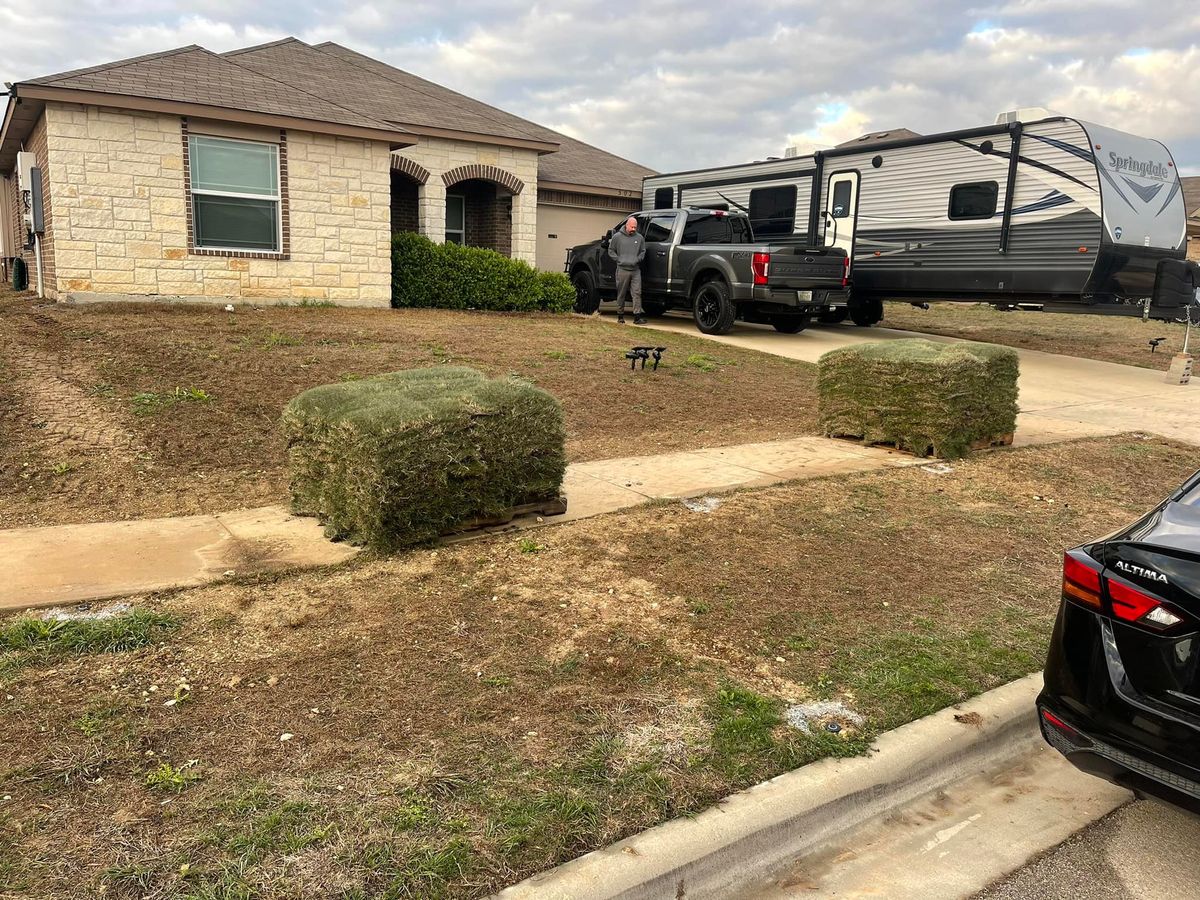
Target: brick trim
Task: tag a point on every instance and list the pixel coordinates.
(284, 215)
(416, 172)
(487, 173)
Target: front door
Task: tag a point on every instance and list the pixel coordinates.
(841, 212)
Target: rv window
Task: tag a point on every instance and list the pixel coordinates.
(664, 198)
(974, 201)
(773, 210)
(841, 198)
(658, 229)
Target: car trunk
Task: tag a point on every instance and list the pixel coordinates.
(1152, 574)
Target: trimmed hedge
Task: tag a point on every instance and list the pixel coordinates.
(398, 459)
(450, 276)
(923, 396)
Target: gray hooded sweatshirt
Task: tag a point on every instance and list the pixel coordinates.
(627, 249)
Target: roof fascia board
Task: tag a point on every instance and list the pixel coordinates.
(396, 138)
(477, 138)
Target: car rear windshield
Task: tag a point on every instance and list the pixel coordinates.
(714, 229)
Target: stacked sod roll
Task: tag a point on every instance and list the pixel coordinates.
(923, 396)
(395, 460)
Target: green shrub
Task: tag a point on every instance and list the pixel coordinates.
(923, 396)
(398, 459)
(450, 276)
(558, 294)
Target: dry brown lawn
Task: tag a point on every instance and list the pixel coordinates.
(135, 411)
(1118, 339)
(447, 721)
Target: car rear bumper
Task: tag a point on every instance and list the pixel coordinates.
(1104, 726)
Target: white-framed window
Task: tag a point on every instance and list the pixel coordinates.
(456, 219)
(235, 194)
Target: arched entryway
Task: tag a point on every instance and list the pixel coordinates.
(407, 179)
(479, 206)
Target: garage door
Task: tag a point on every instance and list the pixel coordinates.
(560, 227)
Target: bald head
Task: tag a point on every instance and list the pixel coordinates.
(630, 225)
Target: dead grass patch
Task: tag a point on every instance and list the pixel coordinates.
(448, 721)
(1117, 339)
(173, 409)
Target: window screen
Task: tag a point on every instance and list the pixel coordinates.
(773, 210)
(664, 198)
(974, 201)
(235, 193)
(658, 229)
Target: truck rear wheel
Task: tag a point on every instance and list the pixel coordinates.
(587, 298)
(866, 313)
(713, 308)
(790, 324)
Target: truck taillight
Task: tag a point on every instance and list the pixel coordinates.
(758, 265)
(845, 271)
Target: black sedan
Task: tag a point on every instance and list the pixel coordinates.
(1122, 684)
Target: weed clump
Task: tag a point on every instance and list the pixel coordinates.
(108, 635)
(922, 396)
(395, 460)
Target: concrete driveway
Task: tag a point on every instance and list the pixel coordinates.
(1061, 396)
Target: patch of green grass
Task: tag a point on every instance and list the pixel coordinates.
(314, 303)
(166, 777)
(129, 879)
(498, 681)
(544, 824)
(557, 354)
(429, 870)
(64, 466)
(414, 813)
(124, 632)
(699, 607)
(702, 361)
(279, 339)
(529, 545)
(147, 402)
(267, 826)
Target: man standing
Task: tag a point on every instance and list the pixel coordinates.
(628, 248)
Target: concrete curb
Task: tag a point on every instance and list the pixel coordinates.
(753, 834)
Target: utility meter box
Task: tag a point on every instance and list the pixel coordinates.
(26, 162)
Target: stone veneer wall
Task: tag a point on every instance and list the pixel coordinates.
(121, 216)
(439, 155)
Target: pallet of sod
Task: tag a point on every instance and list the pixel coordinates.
(926, 397)
(398, 459)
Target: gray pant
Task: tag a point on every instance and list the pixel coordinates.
(629, 282)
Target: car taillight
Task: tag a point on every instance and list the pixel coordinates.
(1131, 605)
(845, 271)
(1081, 578)
(758, 265)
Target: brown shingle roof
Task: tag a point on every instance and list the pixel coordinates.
(195, 75)
(1191, 195)
(383, 92)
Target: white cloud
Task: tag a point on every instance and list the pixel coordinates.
(686, 83)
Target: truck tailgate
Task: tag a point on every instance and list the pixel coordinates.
(800, 267)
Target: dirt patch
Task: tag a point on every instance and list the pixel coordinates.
(447, 721)
(188, 398)
(1117, 339)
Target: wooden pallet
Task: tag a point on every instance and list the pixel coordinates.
(554, 507)
(988, 443)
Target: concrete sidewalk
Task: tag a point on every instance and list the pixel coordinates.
(77, 563)
(1061, 396)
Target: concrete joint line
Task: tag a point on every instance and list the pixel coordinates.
(757, 832)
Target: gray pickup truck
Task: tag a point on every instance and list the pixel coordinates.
(707, 261)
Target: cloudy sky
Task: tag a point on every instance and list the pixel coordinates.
(677, 85)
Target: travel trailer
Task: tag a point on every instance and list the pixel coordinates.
(1037, 208)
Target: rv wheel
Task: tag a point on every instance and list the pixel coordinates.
(866, 313)
(713, 308)
(790, 324)
(834, 316)
(587, 299)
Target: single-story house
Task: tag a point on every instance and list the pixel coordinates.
(279, 173)
(1191, 203)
